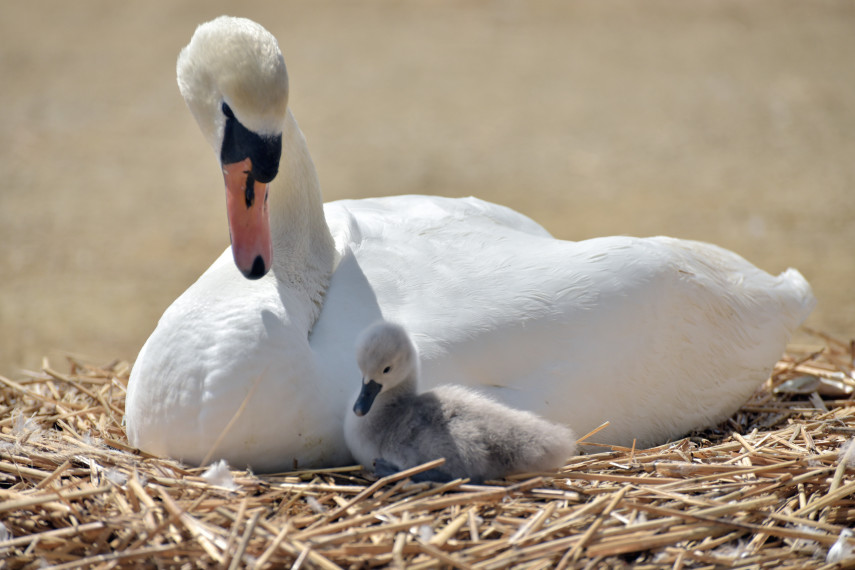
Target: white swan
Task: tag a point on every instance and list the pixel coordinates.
(394, 427)
(658, 336)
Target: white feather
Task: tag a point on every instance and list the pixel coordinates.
(846, 453)
(841, 550)
(218, 474)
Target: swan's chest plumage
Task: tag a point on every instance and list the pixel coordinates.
(224, 342)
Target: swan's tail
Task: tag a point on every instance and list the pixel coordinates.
(786, 299)
(796, 297)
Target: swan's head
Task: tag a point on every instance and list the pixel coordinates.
(233, 78)
(387, 358)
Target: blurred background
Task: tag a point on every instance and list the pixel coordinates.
(726, 121)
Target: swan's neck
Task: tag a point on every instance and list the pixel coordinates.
(303, 249)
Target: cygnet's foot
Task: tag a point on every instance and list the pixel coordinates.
(383, 468)
(433, 475)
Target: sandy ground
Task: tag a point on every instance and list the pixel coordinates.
(730, 122)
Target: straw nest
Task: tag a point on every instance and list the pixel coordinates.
(772, 487)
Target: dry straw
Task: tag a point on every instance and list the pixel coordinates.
(773, 487)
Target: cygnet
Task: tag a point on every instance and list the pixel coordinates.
(394, 428)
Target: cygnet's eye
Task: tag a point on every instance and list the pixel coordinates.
(227, 111)
(387, 369)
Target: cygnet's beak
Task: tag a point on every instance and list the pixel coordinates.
(366, 397)
(249, 219)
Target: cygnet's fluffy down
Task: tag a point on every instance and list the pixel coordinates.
(394, 428)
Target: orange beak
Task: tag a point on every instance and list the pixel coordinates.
(249, 219)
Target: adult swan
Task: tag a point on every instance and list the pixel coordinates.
(254, 363)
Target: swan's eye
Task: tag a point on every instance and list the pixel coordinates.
(387, 369)
(227, 111)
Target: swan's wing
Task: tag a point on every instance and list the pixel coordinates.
(636, 326)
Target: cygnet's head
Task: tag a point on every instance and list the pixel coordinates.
(386, 356)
